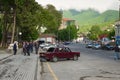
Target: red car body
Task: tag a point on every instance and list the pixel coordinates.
(54, 54)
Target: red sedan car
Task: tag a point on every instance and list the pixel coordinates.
(56, 53)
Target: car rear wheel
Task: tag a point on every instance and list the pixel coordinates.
(75, 57)
(55, 59)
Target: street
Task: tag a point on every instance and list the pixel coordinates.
(92, 65)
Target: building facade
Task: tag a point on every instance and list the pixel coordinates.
(48, 38)
(66, 22)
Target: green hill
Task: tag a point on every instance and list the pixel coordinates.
(86, 18)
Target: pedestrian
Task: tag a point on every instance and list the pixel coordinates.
(31, 47)
(36, 47)
(24, 48)
(28, 48)
(116, 54)
(15, 48)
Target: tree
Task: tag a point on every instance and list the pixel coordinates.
(67, 34)
(27, 16)
(94, 32)
(53, 19)
(111, 33)
(0, 29)
(27, 19)
(6, 9)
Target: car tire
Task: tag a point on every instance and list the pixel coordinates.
(75, 57)
(54, 59)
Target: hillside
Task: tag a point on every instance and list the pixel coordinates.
(86, 18)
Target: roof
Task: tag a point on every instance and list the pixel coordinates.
(117, 23)
(67, 19)
(47, 35)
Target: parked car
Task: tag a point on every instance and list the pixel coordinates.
(56, 53)
(66, 43)
(49, 46)
(96, 46)
(108, 47)
(44, 44)
(89, 45)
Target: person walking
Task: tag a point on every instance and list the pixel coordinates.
(24, 48)
(31, 47)
(15, 48)
(28, 48)
(116, 54)
(36, 47)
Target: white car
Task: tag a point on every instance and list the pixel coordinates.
(44, 44)
(49, 46)
(96, 46)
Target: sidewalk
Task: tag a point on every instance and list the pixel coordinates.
(26, 67)
(4, 54)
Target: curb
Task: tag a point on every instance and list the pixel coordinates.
(6, 57)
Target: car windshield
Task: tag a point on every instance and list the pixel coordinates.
(50, 50)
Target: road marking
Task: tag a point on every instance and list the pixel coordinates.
(52, 72)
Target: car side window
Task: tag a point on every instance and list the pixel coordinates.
(68, 50)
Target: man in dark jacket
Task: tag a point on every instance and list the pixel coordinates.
(28, 48)
(15, 48)
(36, 47)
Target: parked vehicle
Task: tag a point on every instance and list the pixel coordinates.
(49, 46)
(44, 44)
(66, 43)
(89, 45)
(96, 46)
(108, 47)
(56, 53)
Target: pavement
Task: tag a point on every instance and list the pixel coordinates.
(28, 73)
(4, 54)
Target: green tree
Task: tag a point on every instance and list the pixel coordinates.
(111, 33)
(27, 19)
(68, 34)
(94, 32)
(6, 8)
(0, 28)
(54, 18)
(27, 16)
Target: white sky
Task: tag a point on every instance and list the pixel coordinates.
(100, 5)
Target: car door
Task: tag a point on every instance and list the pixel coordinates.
(68, 53)
(65, 53)
(61, 53)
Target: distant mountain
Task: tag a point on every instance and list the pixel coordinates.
(91, 16)
(86, 18)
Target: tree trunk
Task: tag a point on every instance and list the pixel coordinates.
(14, 24)
(4, 31)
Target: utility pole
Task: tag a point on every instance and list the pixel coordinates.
(119, 12)
(69, 33)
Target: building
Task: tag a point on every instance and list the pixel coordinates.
(48, 38)
(66, 22)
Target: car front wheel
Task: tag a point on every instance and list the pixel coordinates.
(55, 59)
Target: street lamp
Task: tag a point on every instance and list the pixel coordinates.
(20, 33)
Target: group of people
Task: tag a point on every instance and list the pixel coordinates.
(27, 47)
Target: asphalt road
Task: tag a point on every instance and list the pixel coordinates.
(92, 65)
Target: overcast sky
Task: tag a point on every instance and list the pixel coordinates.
(100, 5)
